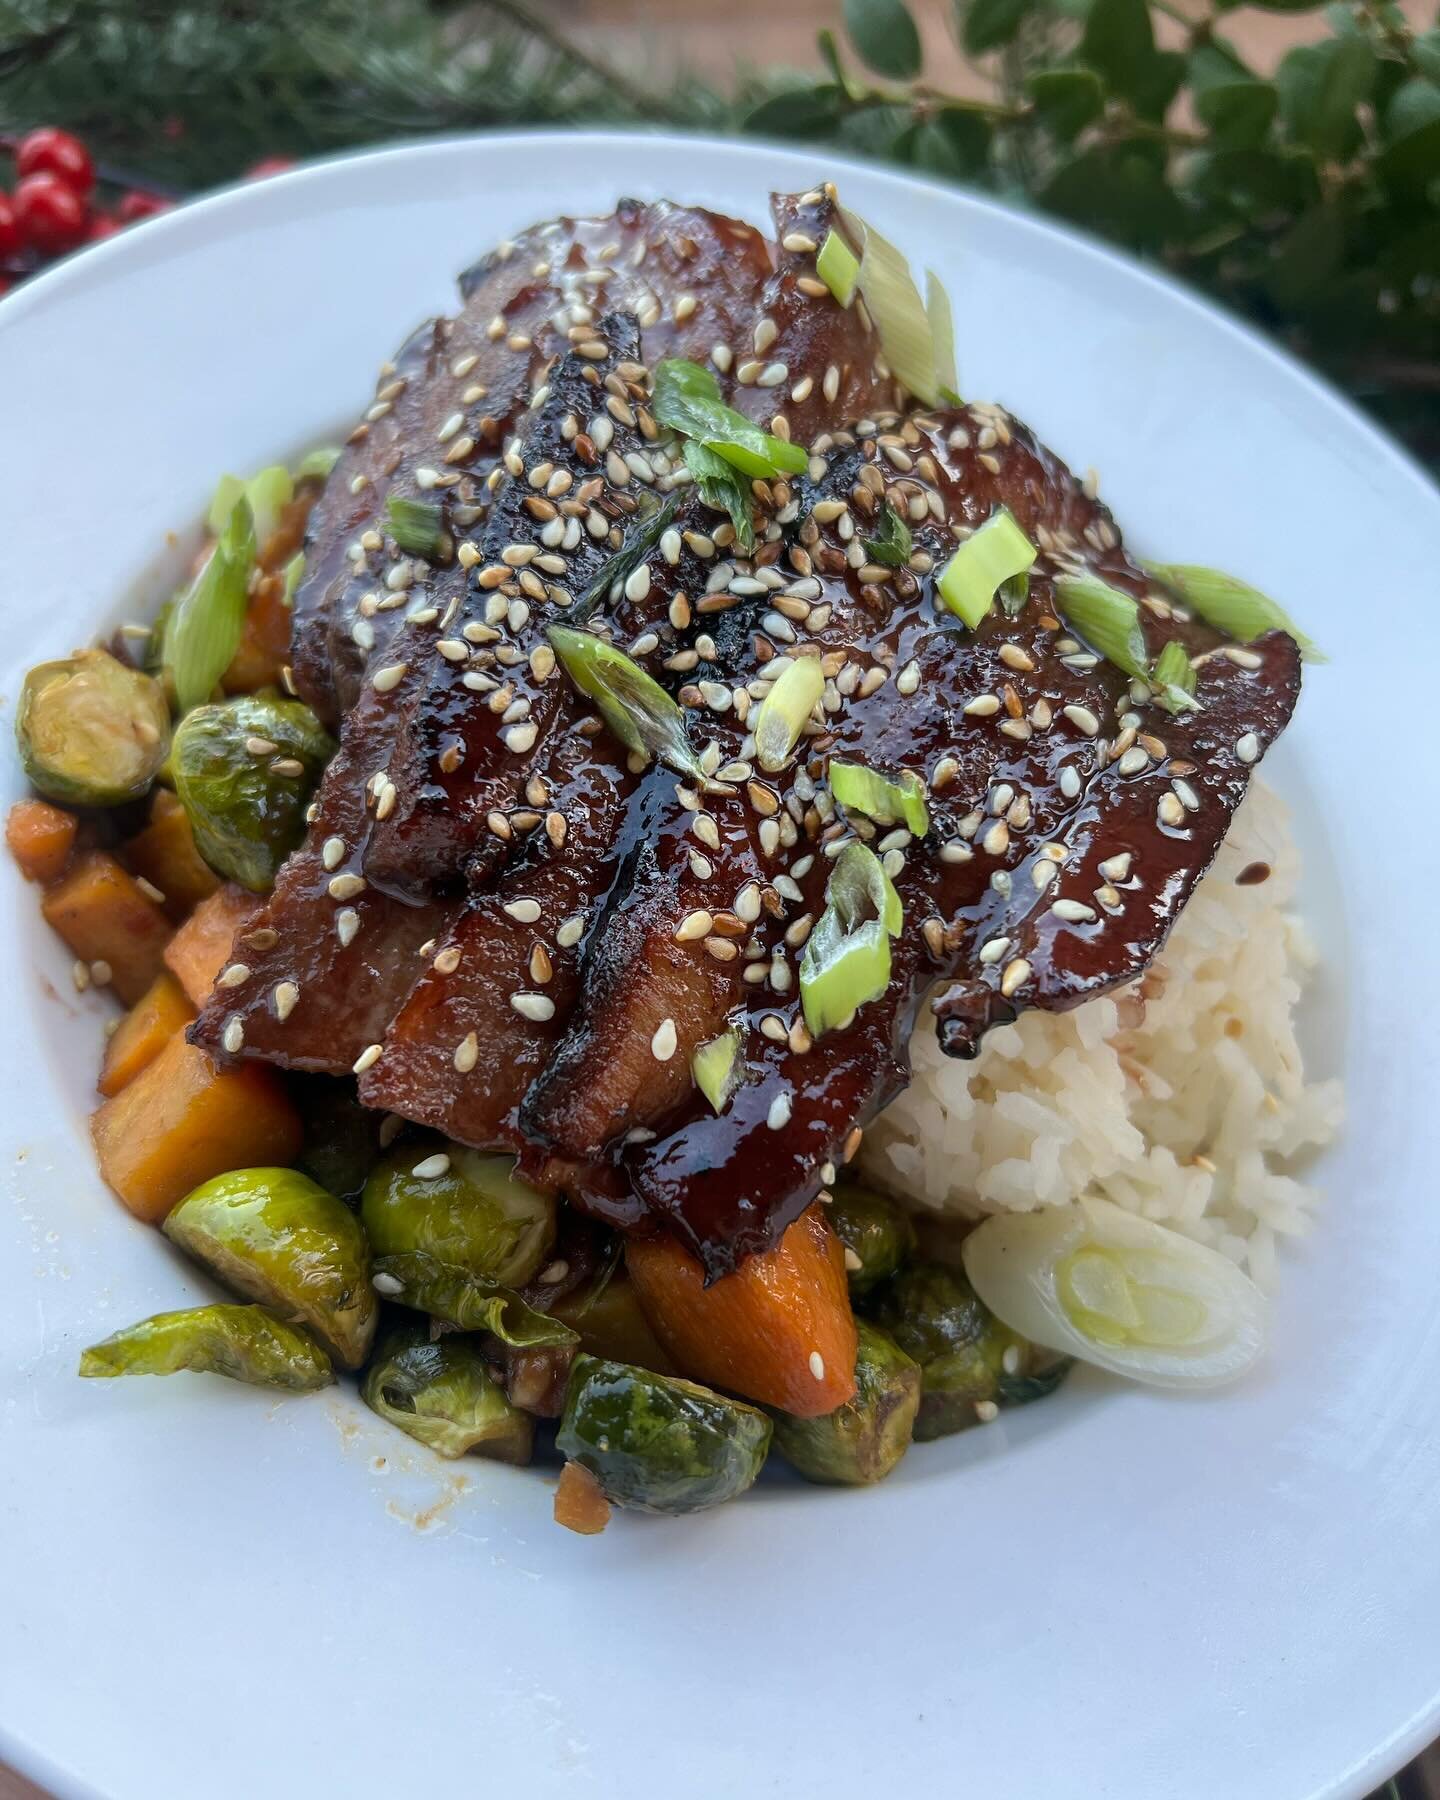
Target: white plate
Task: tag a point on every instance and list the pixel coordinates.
(206, 1593)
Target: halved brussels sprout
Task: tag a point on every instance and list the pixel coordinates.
(443, 1394)
(461, 1207)
(657, 1443)
(92, 731)
(877, 1236)
(244, 770)
(341, 1135)
(970, 1362)
(245, 1343)
(862, 1440)
(277, 1237)
(472, 1302)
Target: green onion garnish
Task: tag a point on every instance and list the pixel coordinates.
(635, 707)
(942, 334)
(722, 488)
(269, 493)
(838, 267)
(205, 623)
(1231, 606)
(887, 802)
(228, 490)
(1108, 620)
(417, 526)
(784, 710)
(997, 552)
(317, 464)
(1175, 679)
(893, 544)
(643, 538)
(294, 575)
(847, 957)
(687, 399)
(714, 1066)
(893, 302)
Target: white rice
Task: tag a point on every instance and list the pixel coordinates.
(1181, 1098)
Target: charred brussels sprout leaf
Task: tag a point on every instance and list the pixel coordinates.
(275, 1236)
(444, 1395)
(862, 1440)
(245, 1343)
(91, 731)
(472, 1302)
(877, 1236)
(341, 1135)
(244, 770)
(968, 1359)
(473, 1214)
(657, 1443)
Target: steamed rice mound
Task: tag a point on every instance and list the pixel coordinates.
(1182, 1097)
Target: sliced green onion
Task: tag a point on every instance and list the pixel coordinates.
(269, 493)
(228, 490)
(635, 707)
(643, 538)
(315, 465)
(417, 526)
(942, 334)
(1231, 606)
(893, 544)
(205, 623)
(893, 302)
(687, 399)
(294, 575)
(838, 267)
(784, 710)
(1108, 620)
(847, 956)
(722, 488)
(1175, 679)
(1013, 594)
(997, 552)
(902, 802)
(714, 1066)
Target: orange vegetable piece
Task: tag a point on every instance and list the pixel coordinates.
(264, 642)
(165, 854)
(579, 1504)
(779, 1330)
(200, 949)
(104, 917)
(41, 838)
(144, 1032)
(182, 1120)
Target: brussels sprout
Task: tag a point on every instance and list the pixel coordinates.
(342, 1137)
(470, 1301)
(444, 1394)
(244, 1342)
(460, 1207)
(862, 1440)
(969, 1360)
(92, 731)
(235, 766)
(657, 1443)
(877, 1236)
(275, 1236)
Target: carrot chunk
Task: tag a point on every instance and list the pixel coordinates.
(579, 1504)
(779, 1330)
(104, 917)
(200, 949)
(144, 1032)
(40, 837)
(182, 1120)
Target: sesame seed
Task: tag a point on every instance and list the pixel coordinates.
(520, 738)
(694, 925)
(986, 1411)
(570, 931)
(345, 887)
(1082, 719)
(332, 852)
(1070, 782)
(347, 923)
(1116, 868)
(1134, 760)
(235, 976)
(665, 1041)
(1075, 912)
(447, 962)
(389, 677)
(1017, 973)
(524, 912)
(817, 1364)
(994, 949)
(554, 1271)
(908, 679)
(996, 840)
(1015, 658)
(234, 1034)
(431, 1168)
(984, 706)
(387, 1285)
(539, 1007)
(367, 1059)
(1170, 812)
(1042, 874)
(705, 828)
(467, 1053)
(778, 1116)
(852, 1261)
(1247, 748)
(1242, 659)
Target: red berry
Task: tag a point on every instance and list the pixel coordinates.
(50, 214)
(52, 152)
(101, 226)
(269, 165)
(10, 238)
(5, 285)
(136, 205)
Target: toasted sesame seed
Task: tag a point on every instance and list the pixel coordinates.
(1247, 748)
(817, 1365)
(347, 923)
(283, 998)
(665, 1041)
(1017, 973)
(1116, 868)
(1070, 782)
(1015, 658)
(345, 887)
(447, 961)
(520, 738)
(778, 1116)
(1170, 811)
(852, 1261)
(524, 911)
(694, 925)
(1133, 760)
(332, 852)
(996, 840)
(1243, 659)
(235, 976)
(367, 1059)
(1075, 912)
(467, 1054)
(984, 706)
(994, 949)
(705, 828)
(383, 680)
(570, 931)
(986, 1411)
(1082, 719)
(538, 1007)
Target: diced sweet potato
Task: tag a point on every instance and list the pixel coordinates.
(104, 917)
(144, 1032)
(579, 1504)
(40, 837)
(165, 854)
(779, 1330)
(200, 949)
(264, 642)
(182, 1120)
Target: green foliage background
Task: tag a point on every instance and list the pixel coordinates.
(1310, 202)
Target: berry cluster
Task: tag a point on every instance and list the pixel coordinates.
(54, 208)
